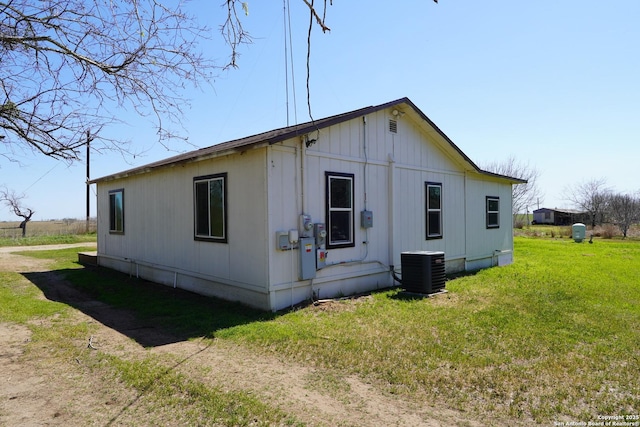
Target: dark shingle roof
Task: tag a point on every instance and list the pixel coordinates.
(282, 134)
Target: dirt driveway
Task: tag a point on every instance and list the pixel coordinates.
(37, 389)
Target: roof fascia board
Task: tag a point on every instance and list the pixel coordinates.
(181, 159)
(283, 134)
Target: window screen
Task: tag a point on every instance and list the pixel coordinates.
(493, 212)
(116, 211)
(339, 209)
(210, 207)
(433, 210)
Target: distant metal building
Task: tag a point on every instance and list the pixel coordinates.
(559, 216)
(318, 209)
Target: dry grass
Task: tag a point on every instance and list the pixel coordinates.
(12, 230)
(605, 231)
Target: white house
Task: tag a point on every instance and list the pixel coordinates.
(352, 192)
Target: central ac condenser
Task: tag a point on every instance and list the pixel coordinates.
(423, 271)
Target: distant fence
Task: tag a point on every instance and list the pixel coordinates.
(11, 229)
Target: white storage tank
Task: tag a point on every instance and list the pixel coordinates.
(578, 232)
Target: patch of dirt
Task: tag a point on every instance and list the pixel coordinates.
(37, 390)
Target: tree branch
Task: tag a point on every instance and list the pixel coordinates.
(71, 65)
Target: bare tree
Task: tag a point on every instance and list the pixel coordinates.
(623, 210)
(590, 196)
(72, 66)
(68, 66)
(15, 203)
(523, 195)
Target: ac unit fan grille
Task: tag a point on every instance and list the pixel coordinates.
(423, 271)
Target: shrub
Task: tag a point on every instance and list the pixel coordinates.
(609, 231)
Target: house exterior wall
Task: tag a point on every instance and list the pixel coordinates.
(487, 247)
(389, 180)
(158, 242)
(269, 186)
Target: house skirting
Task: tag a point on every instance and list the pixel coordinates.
(498, 258)
(334, 281)
(199, 283)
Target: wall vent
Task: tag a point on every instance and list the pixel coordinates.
(393, 126)
(423, 271)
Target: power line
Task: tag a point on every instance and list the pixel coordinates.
(293, 78)
(288, 57)
(39, 179)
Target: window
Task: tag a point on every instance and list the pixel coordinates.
(210, 194)
(339, 209)
(433, 210)
(116, 211)
(493, 212)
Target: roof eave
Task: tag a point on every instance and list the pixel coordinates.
(176, 161)
(296, 131)
(511, 179)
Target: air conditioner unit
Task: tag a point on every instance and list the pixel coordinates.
(423, 271)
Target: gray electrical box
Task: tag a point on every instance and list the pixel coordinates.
(282, 241)
(366, 219)
(305, 226)
(307, 248)
(320, 231)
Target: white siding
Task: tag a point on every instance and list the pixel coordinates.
(485, 244)
(283, 209)
(268, 188)
(398, 214)
(159, 225)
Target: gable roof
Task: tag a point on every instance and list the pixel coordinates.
(282, 134)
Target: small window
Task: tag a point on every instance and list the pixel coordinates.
(210, 196)
(493, 212)
(433, 210)
(339, 204)
(116, 211)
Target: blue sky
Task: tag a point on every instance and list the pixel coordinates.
(554, 84)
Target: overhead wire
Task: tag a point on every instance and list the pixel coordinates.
(288, 61)
(293, 76)
(39, 179)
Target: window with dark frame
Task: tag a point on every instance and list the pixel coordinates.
(433, 210)
(493, 212)
(210, 199)
(339, 210)
(116, 211)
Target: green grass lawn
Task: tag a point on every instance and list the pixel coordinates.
(554, 336)
(169, 397)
